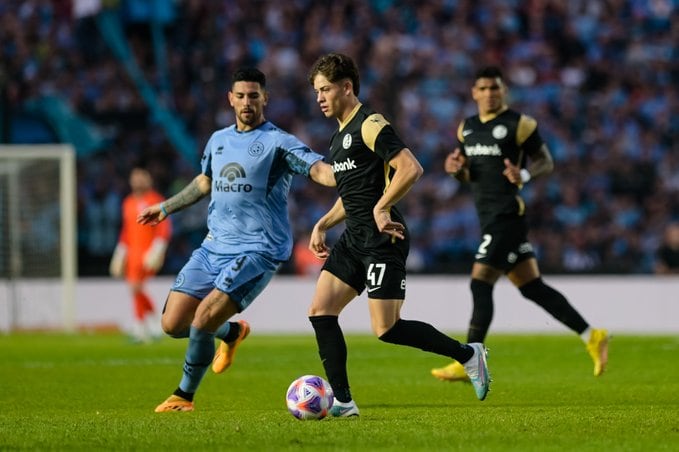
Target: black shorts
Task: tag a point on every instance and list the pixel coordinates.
(370, 260)
(504, 244)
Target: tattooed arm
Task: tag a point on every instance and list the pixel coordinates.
(196, 190)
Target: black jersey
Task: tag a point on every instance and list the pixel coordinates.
(509, 135)
(360, 151)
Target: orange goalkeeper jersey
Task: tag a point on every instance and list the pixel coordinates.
(138, 237)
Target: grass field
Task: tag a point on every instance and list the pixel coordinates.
(97, 392)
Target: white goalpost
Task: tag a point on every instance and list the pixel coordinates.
(38, 252)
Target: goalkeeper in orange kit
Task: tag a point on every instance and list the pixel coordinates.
(140, 251)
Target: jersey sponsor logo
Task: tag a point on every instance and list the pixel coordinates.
(346, 165)
(256, 149)
(346, 141)
(466, 132)
(231, 172)
(479, 149)
(499, 132)
(511, 257)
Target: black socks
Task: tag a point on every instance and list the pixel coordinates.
(333, 352)
(482, 313)
(422, 335)
(555, 303)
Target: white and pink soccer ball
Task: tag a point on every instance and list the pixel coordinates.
(309, 397)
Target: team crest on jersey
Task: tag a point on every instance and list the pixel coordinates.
(256, 149)
(346, 142)
(499, 132)
(180, 280)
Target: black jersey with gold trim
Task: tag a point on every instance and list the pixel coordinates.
(360, 151)
(509, 135)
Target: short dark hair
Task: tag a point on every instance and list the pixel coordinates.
(249, 74)
(489, 72)
(336, 67)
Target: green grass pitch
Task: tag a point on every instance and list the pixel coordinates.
(97, 392)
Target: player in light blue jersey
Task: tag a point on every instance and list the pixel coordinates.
(247, 169)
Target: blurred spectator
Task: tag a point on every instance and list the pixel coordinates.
(601, 75)
(99, 220)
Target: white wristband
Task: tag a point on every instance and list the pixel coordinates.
(525, 175)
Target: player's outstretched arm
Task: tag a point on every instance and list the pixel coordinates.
(196, 190)
(151, 215)
(322, 173)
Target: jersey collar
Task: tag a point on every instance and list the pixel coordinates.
(485, 118)
(342, 124)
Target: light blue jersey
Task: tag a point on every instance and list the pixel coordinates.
(251, 175)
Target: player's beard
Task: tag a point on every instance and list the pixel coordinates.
(249, 118)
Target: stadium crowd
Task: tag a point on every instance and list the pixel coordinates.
(600, 76)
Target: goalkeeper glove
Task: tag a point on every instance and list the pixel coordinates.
(155, 256)
(117, 265)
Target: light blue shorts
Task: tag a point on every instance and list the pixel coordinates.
(241, 276)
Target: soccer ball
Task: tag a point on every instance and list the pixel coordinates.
(309, 397)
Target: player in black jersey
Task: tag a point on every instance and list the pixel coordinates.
(373, 170)
(494, 147)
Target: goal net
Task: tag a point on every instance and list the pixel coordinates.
(38, 231)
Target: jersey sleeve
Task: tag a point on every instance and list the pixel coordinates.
(380, 137)
(460, 138)
(527, 135)
(299, 157)
(206, 159)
